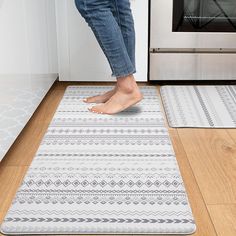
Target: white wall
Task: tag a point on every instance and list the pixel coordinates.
(28, 62)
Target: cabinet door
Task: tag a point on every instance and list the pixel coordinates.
(28, 62)
(80, 56)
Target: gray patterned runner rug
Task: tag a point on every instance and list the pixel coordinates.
(102, 174)
(200, 106)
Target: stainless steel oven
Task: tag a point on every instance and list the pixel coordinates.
(193, 40)
(204, 16)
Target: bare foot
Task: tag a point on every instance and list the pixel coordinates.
(100, 98)
(127, 94)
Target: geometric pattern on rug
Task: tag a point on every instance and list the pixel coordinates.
(200, 106)
(102, 174)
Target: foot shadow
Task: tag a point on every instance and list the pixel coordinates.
(131, 111)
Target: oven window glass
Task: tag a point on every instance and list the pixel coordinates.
(204, 16)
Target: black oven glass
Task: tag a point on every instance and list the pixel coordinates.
(204, 15)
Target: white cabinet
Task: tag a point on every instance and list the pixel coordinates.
(28, 62)
(40, 18)
(28, 42)
(80, 57)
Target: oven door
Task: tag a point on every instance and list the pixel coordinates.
(193, 24)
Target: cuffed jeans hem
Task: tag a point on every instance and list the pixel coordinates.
(123, 75)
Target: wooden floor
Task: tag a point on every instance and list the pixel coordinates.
(207, 160)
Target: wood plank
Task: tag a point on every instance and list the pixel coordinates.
(25, 146)
(211, 153)
(47, 109)
(224, 218)
(10, 179)
(201, 215)
(2, 215)
(232, 133)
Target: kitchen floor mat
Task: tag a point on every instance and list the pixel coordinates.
(102, 174)
(200, 106)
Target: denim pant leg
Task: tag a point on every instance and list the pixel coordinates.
(98, 15)
(124, 17)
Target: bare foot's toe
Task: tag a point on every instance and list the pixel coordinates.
(100, 98)
(97, 109)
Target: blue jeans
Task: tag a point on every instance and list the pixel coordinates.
(113, 26)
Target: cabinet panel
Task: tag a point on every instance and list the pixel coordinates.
(40, 21)
(14, 52)
(87, 61)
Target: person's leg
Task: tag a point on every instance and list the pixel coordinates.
(121, 10)
(99, 17)
(122, 13)
(127, 92)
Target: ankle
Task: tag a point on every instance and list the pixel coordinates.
(127, 84)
